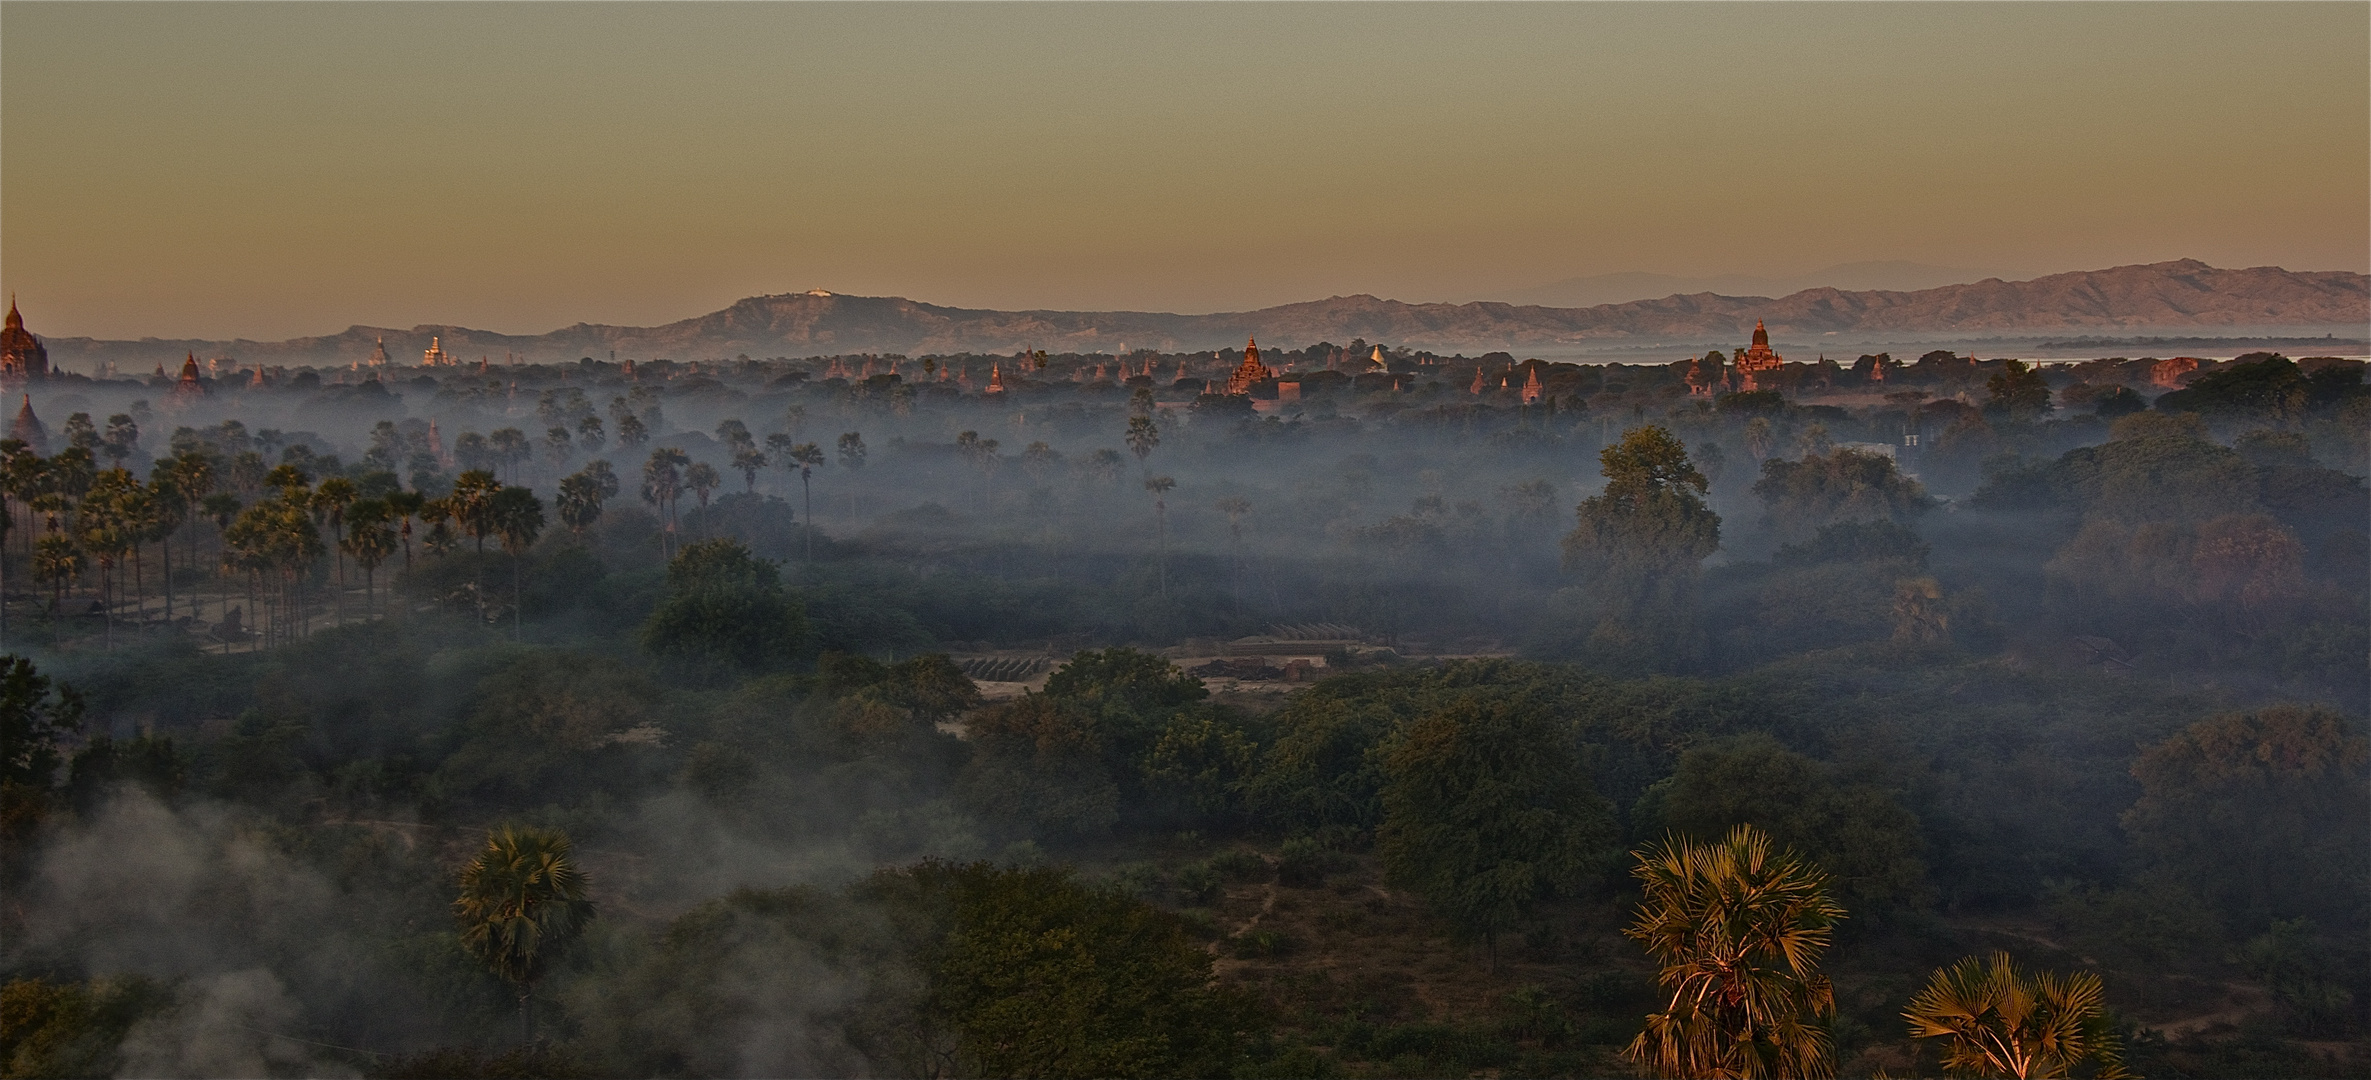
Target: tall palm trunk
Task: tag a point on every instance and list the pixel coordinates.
(139, 592)
(164, 544)
(106, 604)
(807, 493)
(196, 609)
(337, 546)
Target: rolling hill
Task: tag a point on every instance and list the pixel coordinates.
(2180, 295)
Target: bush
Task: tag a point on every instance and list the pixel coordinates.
(1304, 863)
(1197, 883)
(1261, 942)
(1240, 864)
(725, 610)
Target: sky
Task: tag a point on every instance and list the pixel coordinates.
(228, 170)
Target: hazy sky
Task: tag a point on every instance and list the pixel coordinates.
(270, 170)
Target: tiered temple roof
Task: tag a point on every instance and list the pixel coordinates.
(1251, 372)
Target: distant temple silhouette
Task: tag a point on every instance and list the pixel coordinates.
(1251, 372)
(1758, 360)
(22, 356)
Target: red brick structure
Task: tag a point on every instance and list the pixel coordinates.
(1758, 360)
(22, 356)
(1249, 373)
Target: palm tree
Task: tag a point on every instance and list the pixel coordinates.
(748, 459)
(469, 506)
(473, 492)
(852, 454)
(589, 432)
(403, 506)
(1235, 506)
(22, 478)
(1143, 436)
(558, 444)
(1999, 1022)
(579, 503)
(598, 469)
(370, 541)
(10, 451)
(166, 511)
(662, 481)
(734, 434)
(631, 431)
(102, 524)
(806, 456)
(518, 518)
(1160, 486)
(121, 438)
(57, 559)
(702, 478)
(222, 508)
(278, 534)
(982, 454)
(330, 500)
(522, 902)
(509, 446)
(192, 473)
(137, 510)
(1738, 931)
(1105, 464)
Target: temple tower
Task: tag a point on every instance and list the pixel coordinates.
(1250, 372)
(22, 356)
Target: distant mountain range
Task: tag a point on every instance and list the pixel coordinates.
(1621, 288)
(2185, 294)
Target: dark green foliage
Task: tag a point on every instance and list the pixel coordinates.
(1748, 402)
(2157, 468)
(1486, 810)
(552, 724)
(2309, 975)
(1031, 973)
(2119, 401)
(1124, 678)
(69, 1029)
(2018, 391)
(1637, 552)
(2266, 814)
(2269, 388)
(1802, 497)
(1867, 843)
(148, 761)
(1041, 762)
(786, 982)
(1304, 862)
(33, 717)
(1651, 516)
(725, 611)
(1200, 765)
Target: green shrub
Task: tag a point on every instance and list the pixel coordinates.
(1304, 863)
(1197, 883)
(1240, 864)
(1262, 943)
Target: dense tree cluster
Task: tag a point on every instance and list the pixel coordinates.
(1945, 715)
